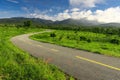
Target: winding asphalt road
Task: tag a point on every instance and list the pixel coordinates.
(80, 64)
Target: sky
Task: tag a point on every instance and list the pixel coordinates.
(106, 11)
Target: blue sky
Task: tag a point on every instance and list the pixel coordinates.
(60, 9)
(22, 7)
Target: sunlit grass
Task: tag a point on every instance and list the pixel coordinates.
(16, 64)
(89, 41)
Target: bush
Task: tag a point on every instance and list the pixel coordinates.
(60, 38)
(68, 37)
(114, 41)
(88, 40)
(82, 38)
(52, 35)
(18, 26)
(27, 24)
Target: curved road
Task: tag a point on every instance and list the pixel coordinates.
(80, 64)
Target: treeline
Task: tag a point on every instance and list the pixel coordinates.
(96, 29)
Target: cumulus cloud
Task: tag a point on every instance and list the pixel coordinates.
(42, 16)
(13, 1)
(25, 9)
(75, 9)
(85, 3)
(108, 15)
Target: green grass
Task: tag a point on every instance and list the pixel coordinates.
(16, 64)
(89, 41)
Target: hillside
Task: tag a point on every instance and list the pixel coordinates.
(83, 22)
(20, 20)
(67, 22)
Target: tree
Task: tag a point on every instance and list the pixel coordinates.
(18, 26)
(115, 41)
(27, 24)
(53, 35)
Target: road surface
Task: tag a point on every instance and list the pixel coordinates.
(80, 64)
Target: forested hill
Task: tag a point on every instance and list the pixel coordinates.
(78, 22)
(20, 20)
(63, 23)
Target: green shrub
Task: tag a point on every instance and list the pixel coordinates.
(82, 38)
(89, 40)
(52, 35)
(60, 38)
(68, 37)
(114, 41)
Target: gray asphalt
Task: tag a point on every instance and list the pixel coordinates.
(82, 65)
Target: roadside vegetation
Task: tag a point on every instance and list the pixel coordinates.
(16, 64)
(107, 43)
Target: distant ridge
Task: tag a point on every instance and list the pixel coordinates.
(19, 20)
(111, 25)
(38, 21)
(77, 22)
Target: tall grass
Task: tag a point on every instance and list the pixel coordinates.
(89, 41)
(16, 64)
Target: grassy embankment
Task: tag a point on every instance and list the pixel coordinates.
(16, 64)
(89, 41)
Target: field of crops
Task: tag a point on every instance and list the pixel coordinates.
(106, 44)
(16, 64)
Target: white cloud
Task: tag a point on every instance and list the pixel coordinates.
(25, 9)
(108, 15)
(42, 16)
(62, 16)
(75, 9)
(85, 3)
(13, 1)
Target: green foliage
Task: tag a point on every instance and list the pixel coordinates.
(114, 41)
(90, 41)
(52, 35)
(27, 24)
(82, 38)
(18, 65)
(95, 29)
(60, 37)
(18, 26)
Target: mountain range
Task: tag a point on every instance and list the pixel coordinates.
(38, 21)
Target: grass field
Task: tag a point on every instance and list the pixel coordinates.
(89, 41)
(16, 64)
